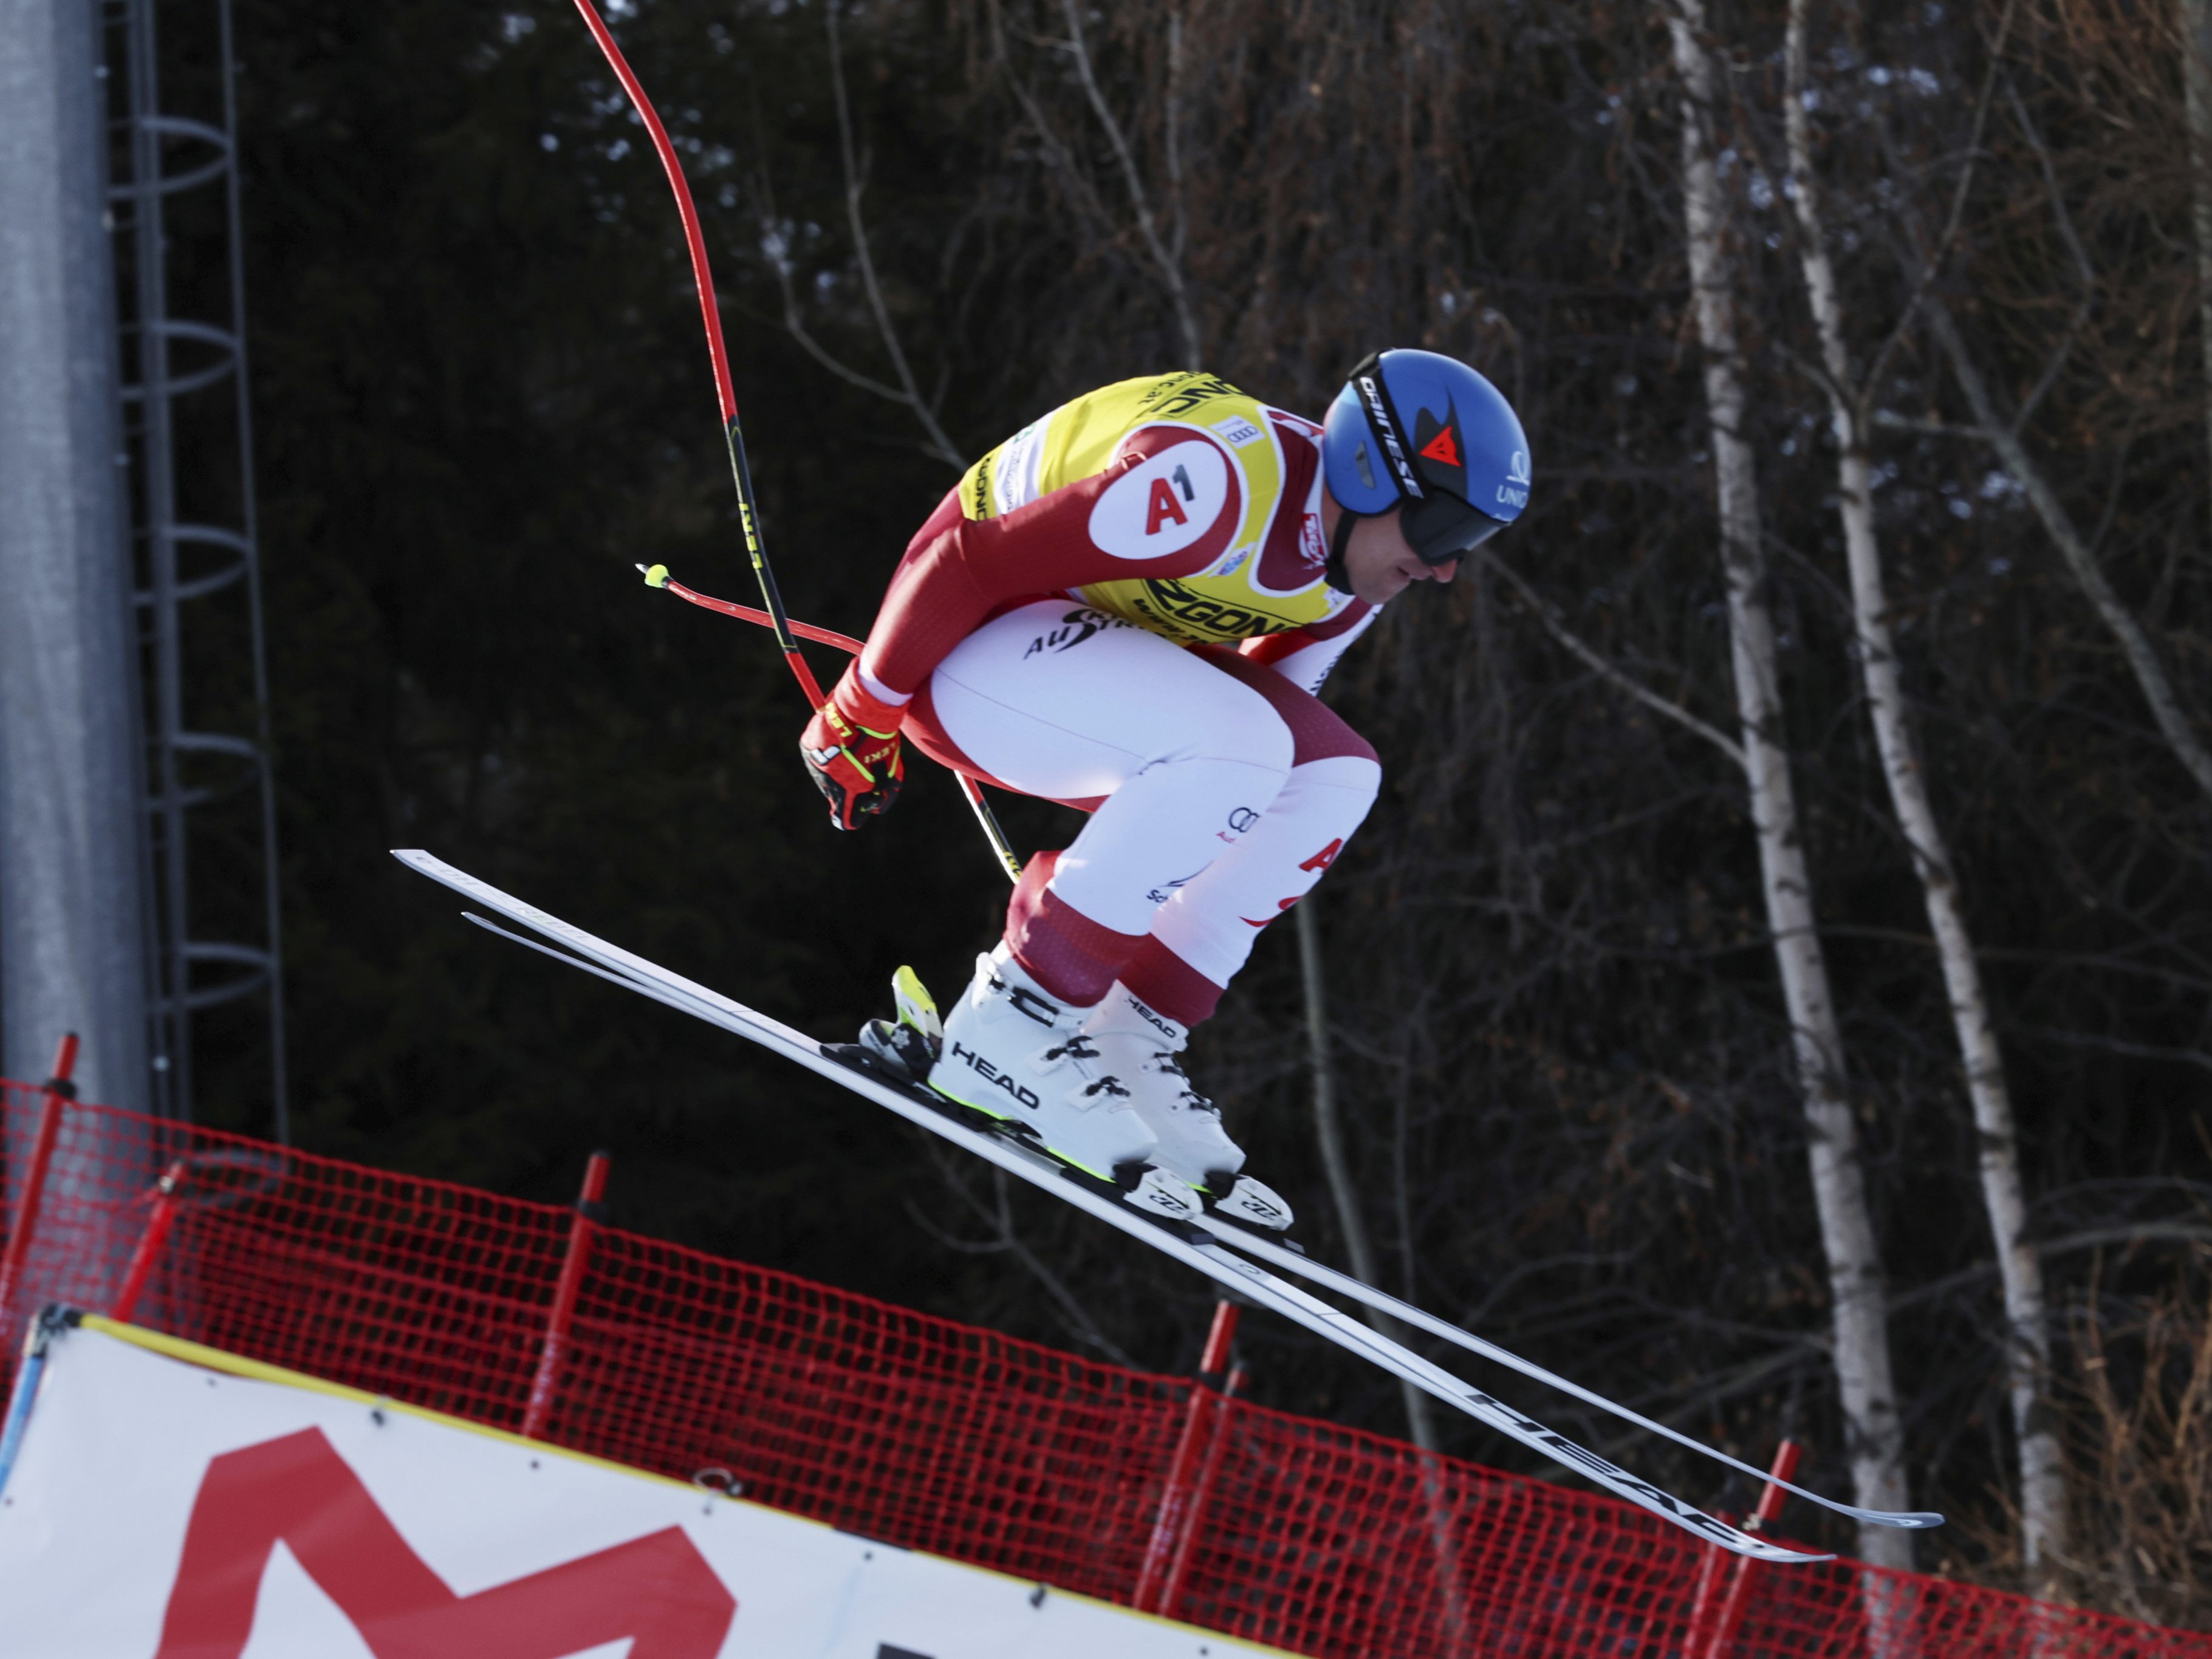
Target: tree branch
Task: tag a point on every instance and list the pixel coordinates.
(998, 1216)
(1171, 271)
(2149, 673)
(910, 394)
(1558, 630)
(775, 243)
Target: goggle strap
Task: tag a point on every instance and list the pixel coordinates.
(1391, 437)
(1334, 572)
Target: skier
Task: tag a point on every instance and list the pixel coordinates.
(1126, 607)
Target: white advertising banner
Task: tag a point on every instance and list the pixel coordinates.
(164, 1509)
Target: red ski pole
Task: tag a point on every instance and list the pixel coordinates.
(710, 314)
(657, 576)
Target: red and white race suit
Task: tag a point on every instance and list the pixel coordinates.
(1122, 608)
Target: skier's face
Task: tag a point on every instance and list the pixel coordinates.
(1378, 563)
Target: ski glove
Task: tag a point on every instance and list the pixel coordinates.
(851, 747)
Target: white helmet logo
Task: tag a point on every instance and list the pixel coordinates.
(1516, 469)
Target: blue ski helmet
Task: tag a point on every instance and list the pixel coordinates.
(1425, 429)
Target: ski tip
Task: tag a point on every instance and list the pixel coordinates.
(1916, 1519)
(656, 575)
(1788, 1558)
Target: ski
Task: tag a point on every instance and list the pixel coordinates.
(909, 1047)
(1188, 1241)
(1289, 1258)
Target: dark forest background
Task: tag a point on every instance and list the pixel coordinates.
(483, 396)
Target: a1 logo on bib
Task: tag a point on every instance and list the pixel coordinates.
(1163, 505)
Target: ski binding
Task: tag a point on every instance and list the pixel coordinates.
(903, 1050)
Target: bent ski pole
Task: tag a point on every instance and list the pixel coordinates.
(710, 314)
(657, 576)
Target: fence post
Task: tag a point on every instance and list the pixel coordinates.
(591, 1211)
(1194, 1511)
(1184, 1466)
(59, 1089)
(1787, 1457)
(151, 1242)
(1701, 1592)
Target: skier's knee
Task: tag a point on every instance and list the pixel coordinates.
(1321, 734)
(1357, 776)
(1340, 790)
(1268, 743)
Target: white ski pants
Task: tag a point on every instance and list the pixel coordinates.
(1219, 792)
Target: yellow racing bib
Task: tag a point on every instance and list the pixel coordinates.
(1268, 577)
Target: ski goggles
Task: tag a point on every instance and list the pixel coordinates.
(1440, 528)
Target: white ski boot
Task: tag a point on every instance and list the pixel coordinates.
(1139, 1047)
(1013, 1052)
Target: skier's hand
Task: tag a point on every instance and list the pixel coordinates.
(851, 747)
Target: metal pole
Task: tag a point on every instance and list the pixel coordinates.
(194, 525)
(72, 937)
(279, 1062)
(150, 393)
(591, 1211)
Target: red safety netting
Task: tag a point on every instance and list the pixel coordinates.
(924, 1432)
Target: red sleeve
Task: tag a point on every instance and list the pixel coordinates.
(1168, 506)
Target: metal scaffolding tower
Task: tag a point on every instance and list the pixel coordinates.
(209, 798)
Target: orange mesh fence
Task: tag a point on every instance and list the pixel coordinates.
(918, 1430)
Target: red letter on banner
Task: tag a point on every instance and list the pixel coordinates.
(656, 1590)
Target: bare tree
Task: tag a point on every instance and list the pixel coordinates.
(1336, 1159)
(775, 243)
(2042, 1483)
(1855, 1273)
(1161, 231)
(1927, 253)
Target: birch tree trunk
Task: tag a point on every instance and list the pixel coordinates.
(2027, 1349)
(1855, 1276)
